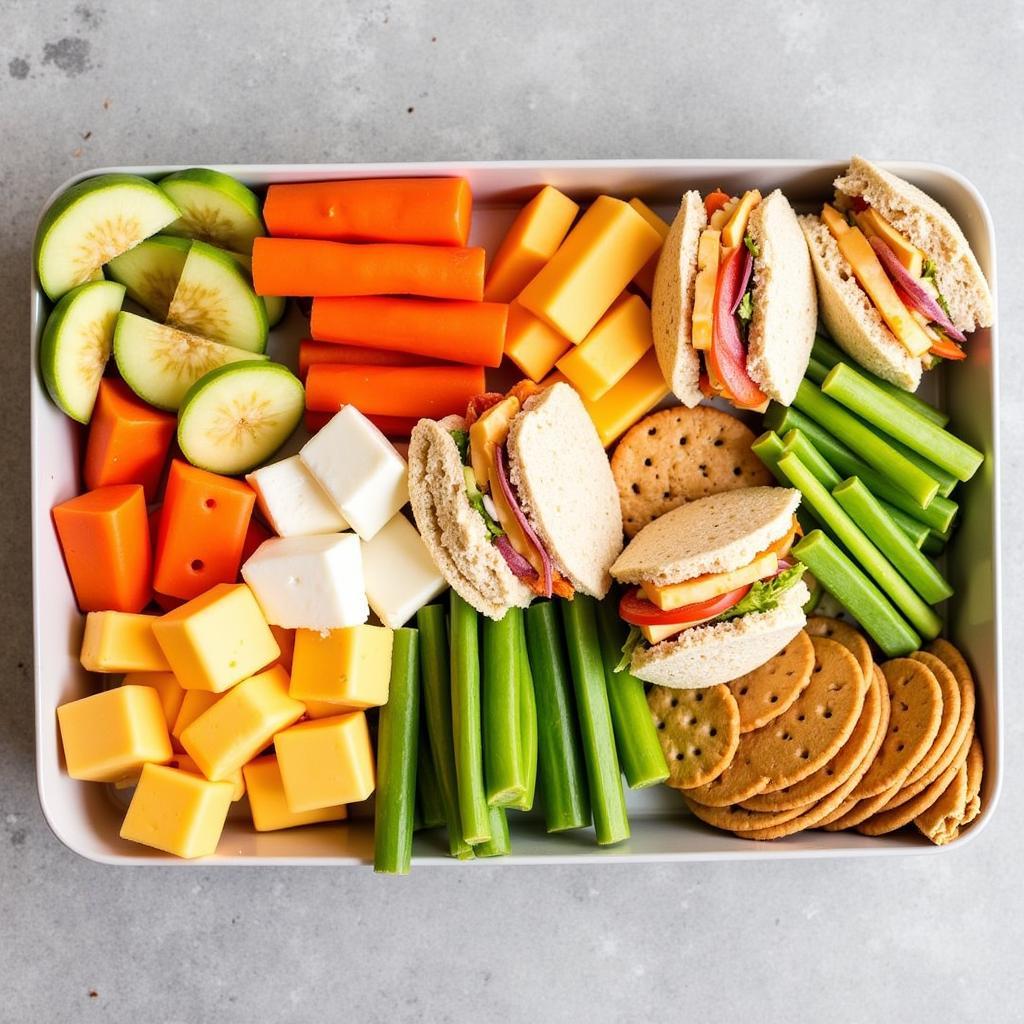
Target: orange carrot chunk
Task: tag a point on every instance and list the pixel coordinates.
(313, 352)
(416, 391)
(105, 538)
(429, 211)
(128, 440)
(463, 332)
(305, 266)
(203, 526)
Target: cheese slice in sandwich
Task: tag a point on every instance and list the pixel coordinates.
(734, 542)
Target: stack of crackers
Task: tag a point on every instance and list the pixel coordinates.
(821, 736)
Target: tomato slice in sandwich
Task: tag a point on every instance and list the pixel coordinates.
(635, 609)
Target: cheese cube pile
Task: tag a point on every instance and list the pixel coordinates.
(293, 502)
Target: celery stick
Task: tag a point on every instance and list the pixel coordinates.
(429, 803)
(527, 721)
(857, 594)
(916, 531)
(500, 843)
(503, 758)
(797, 442)
(768, 448)
(947, 482)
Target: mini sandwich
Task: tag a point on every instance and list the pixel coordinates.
(734, 308)
(898, 284)
(517, 499)
(713, 593)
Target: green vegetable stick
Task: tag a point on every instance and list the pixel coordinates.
(826, 354)
(397, 742)
(857, 594)
(947, 482)
(933, 544)
(428, 791)
(579, 617)
(865, 509)
(938, 515)
(866, 443)
(503, 758)
(636, 738)
(768, 448)
(435, 673)
(500, 843)
(878, 407)
(527, 721)
(560, 769)
(816, 371)
(466, 722)
(920, 615)
(916, 531)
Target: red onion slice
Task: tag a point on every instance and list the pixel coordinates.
(919, 298)
(513, 502)
(515, 561)
(744, 280)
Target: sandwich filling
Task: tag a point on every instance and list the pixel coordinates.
(723, 299)
(897, 277)
(658, 613)
(483, 447)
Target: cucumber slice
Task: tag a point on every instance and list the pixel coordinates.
(237, 416)
(274, 304)
(214, 208)
(160, 363)
(214, 299)
(76, 345)
(93, 222)
(151, 270)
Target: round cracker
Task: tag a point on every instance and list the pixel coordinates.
(950, 714)
(940, 823)
(799, 741)
(849, 636)
(677, 455)
(831, 776)
(975, 771)
(698, 731)
(770, 690)
(736, 818)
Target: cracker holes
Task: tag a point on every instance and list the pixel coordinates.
(693, 720)
(900, 747)
(682, 441)
(805, 754)
(661, 726)
(774, 699)
(817, 666)
(736, 471)
(827, 713)
(785, 736)
(719, 442)
(830, 772)
(636, 488)
(895, 729)
(703, 467)
(679, 756)
(666, 494)
(696, 751)
(674, 702)
(712, 731)
(651, 431)
(743, 691)
(648, 462)
(698, 696)
(904, 707)
(801, 718)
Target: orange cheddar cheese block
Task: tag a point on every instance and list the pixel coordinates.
(217, 639)
(193, 704)
(121, 642)
(128, 440)
(177, 812)
(644, 279)
(531, 344)
(611, 349)
(350, 666)
(326, 762)
(269, 806)
(235, 729)
(633, 397)
(104, 535)
(167, 687)
(534, 237)
(110, 735)
(203, 525)
(593, 265)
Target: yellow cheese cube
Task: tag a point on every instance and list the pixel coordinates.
(531, 241)
(644, 279)
(177, 812)
(167, 687)
(270, 810)
(241, 723)
(184, 763)
(531, 344)
(324, 709)
(109, 736)
(611, 349)
(350, 666)
(121, 642)
(634, 396)
(592, 266)
(193, 704)
(217, 639)
(326, 762)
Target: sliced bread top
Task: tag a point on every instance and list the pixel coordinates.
(565, 486)
(931, 227)
(715, 534)
(850, 316)
(785, 304)
(672, 301)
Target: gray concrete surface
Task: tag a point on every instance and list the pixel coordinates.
(93, 83)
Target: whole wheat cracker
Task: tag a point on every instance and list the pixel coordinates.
(950, 714)
(975, 772)
(940, 823)
(770, 689)
(699, 731)
(849, 636)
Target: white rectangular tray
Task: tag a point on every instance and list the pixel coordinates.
(86, 817)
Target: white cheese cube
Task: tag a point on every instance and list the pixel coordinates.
(359, 469)
(400, 574)
(309, 582)
(293, 502)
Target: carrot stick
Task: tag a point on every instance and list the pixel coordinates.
(430, 211)
(416, 391)
(313, 352)
(464, 332)
(389, 426)
(303, 266)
